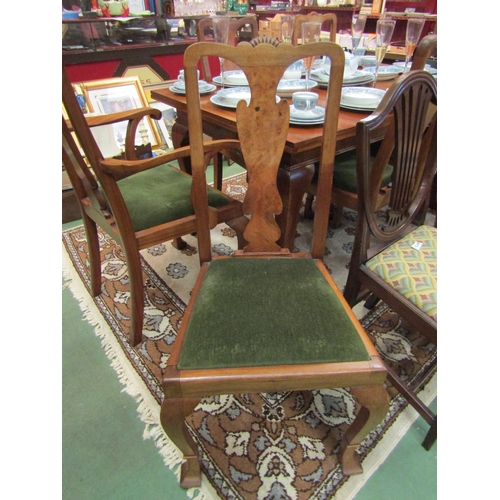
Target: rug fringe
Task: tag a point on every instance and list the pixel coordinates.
(153, 430)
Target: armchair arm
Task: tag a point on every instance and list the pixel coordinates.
(120, 169)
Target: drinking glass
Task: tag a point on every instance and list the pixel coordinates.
(311, 32)
(357, 28)
(413, 32)
(384, 31)
(286, 28)
(221, 32)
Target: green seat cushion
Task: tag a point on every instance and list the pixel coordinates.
(410, 271)
(268, 311)
(160, 195)
(344, 174)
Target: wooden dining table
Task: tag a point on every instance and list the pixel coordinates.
(302, 148)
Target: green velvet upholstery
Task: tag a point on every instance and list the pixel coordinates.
(160, 195)
(344, 174)
(410, 271)
(271, 311)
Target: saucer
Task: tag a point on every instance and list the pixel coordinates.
(203, 90)
(181, 89)
(178, 85)
(315, 114)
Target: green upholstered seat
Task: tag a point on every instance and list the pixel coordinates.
(160, 195)
(344, 174)
(298, 318)
(411, 271)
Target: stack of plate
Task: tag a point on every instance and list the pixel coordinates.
(361, 98)
(315, 116)
(385, 72)
(229, 98)
(180, 87)
(234, 78)
(357, 78)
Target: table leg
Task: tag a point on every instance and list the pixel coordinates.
(292, 187)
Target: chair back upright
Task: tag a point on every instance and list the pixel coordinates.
(425, 49)
(329, 20)
(262, 130)
(236, 26)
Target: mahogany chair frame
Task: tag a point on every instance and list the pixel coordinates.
(262, 128)
(330, 19)
(425, 49)
(101, 202)
(411, 146)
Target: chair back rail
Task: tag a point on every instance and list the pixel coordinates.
(329, 19)
(264, 120)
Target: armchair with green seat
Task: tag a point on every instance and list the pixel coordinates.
(140, 203)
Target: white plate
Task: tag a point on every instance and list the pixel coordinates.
(287, 87)
(218, 81)
(203, 90)
(182, 85)
(401, 64)
(236, 77)
(229, 98)
(385, 72)
(310, 122)
(361, 98)
(358, 77)
(306, 116)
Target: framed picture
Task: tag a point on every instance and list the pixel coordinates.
(120, 94)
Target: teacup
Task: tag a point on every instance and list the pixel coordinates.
(181, 75)
(304, 101)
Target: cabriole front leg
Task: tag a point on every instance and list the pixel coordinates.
(173, 420)
(374, 402)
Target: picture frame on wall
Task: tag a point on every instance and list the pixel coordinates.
(121, 94)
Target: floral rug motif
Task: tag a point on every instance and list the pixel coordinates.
(252, 446)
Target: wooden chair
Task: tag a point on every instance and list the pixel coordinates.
(236, 26)
(395, 260)
(425, 49)
(263, 319)
(330, 19)
(140, 203)
(344, 191)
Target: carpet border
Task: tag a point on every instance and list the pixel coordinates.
(136, 388)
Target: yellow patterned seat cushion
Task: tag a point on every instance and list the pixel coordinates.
(410, 271)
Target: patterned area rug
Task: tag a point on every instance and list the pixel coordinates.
(262, 446)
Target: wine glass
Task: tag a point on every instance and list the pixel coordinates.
(413, 32)
(384, 31)
(311, 32)
(286, 28)
(221, 32)
(357, 28)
